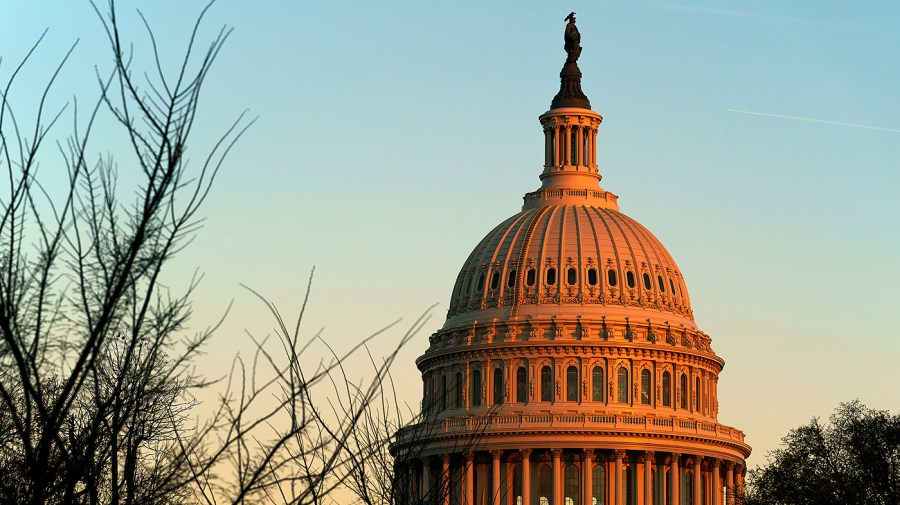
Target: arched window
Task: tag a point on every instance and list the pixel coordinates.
(521, 384)
(571, 276)
(646, 387)
(546, 384)
(597, 388)
(529, 277)
(571, 484)
(517, 484)
(475, 392)
(592, 276)
(667, 389)
(611, 277)
(629, 278)
(687, 488)
(545, 484)
(551, 276)
(498, 386)
(684, 392)
(495, 280)
(459, 390)
(629, 485)
(598, 487)
(622, 383)
(647, 285)
(480, 285)
(511, 279)
(661, 284)
(697, 394)
(443, 393)
(672, 285)
(572, 384)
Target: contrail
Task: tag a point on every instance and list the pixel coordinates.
(813, 120)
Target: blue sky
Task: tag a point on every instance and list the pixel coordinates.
(391, 136)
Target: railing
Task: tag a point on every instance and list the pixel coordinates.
(493, 422)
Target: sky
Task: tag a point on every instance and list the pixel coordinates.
(391, 136)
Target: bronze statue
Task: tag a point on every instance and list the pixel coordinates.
(573, 39)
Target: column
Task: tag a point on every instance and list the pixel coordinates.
(739, 485)
(697, 480)
(675, 476)
(426, 494)
(557, 159)
(587, 476)
(729, 483)
(577, 131)
(470, 480)
(557, 477)
(648, 477)
(617, 477)
(661, 480)
(526, 476)
(548, 147)
(495, 481)
(716, 488)
(445, 480)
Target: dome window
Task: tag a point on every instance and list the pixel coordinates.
(592, 276)
(662, 285)
(571, 276)
(646, 387)
(530, 277)
(551, 276)
(672, 285)
(475, 392)
(572, 384)
(521, 384)
(480, 286)
(629, 278)
(611, 277)
(495, 280)
(546, 384)
(469, 285)
(511, 279)
(647, 285)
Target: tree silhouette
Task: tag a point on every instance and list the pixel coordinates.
(853, 459)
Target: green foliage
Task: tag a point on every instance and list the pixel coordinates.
(853, 459)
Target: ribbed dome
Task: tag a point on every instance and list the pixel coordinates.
(562, 260)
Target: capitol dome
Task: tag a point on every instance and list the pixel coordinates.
(567, 260)
(570, 370)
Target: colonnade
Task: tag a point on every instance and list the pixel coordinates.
(570, 145)
(553, 476)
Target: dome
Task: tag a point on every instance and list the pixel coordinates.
(569, 369)
(570, 259)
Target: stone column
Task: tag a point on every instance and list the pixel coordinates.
(470, 479)
(617, 477)
(548, 147)
(697, 480)
(739, 485)
(425, 492)
(557, 159)
(716, 488)
(445, 480)
(495, 481)
(675, 476)
(526, 476)
(556, 477)
(648, 477)
(587, 476)
(661, 480)
(729, 483)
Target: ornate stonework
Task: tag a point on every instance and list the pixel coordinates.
(579, 325)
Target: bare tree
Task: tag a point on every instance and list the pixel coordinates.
(97, 376)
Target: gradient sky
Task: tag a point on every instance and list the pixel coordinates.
(392, 135)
